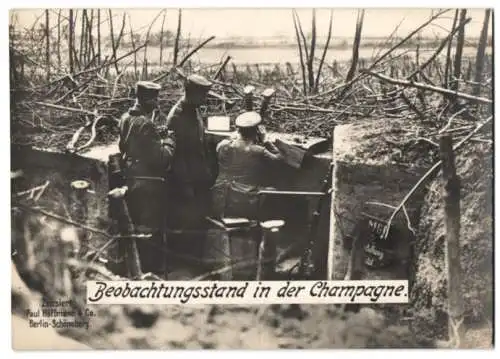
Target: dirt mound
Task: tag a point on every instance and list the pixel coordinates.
(429, 293)
(241, 327)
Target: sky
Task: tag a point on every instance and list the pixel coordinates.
(224, 23)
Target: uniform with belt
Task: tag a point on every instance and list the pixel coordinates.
(243, 168)
(193, 167)
(146, 159)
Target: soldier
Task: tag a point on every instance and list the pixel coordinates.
(193, 167)
(146, 158)
(243, 164)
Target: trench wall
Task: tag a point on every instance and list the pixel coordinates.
(361, 176)
(475, 170)
(61, 169)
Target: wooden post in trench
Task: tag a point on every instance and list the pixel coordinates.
(79, 209)
(266, 268)
(330, 261)
(451, 194)
(127, 230)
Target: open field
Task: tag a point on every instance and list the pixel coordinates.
(280, 55)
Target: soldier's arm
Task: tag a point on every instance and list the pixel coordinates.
(269, 146)
(173, 115)
(272, 156)
(159, 150)
(123, 127)
(268, 155)
(221, 144)
(168, 145)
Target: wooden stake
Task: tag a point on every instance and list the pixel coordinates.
(235, 73)
(132, 41)
(79, 209)
(47, 44)
(87, 47)
(457, 65)
(133, 259)
(126, 228)
(83, 34)
(266, 268)
(480, 54)
(90, 43)
(177, 37)
(310, 62)
(161, 38)
(112, 36)
(99, 37)
(221, 68)
(330, 260)
(447, 69)
(146, 43)
(325, 50)
(355, 52)
(70, 41)
(59, 38)
(451, 194)
(301, 56)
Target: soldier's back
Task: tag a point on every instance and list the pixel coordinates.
(191, 162)
(241, 162)
(133, 134)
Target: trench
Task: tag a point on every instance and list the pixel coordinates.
(60, 169)
(363, 192)
(366, 185)
(357, 179)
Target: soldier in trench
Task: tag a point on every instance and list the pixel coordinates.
(194, 169)
(243, 164)
(145, 161)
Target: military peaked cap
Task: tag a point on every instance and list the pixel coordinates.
(198, 82)
(248, 119)
(147, 90)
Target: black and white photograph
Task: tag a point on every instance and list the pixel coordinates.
(251, 178)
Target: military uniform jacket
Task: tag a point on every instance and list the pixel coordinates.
(192, 164)
(243, 170)
(144, 152)
(245, 163)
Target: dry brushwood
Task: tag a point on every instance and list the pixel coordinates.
(71, 100)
